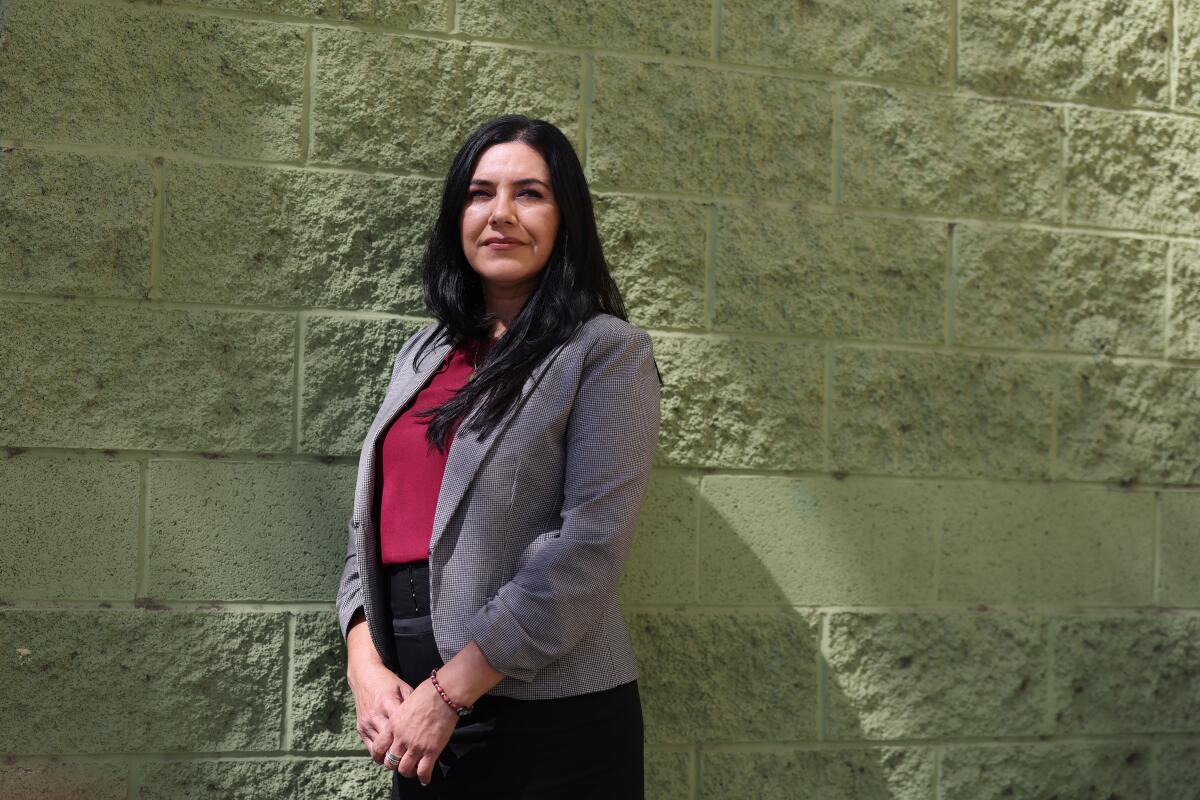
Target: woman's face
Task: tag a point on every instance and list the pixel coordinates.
(509, 199)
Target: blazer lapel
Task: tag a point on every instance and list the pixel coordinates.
(467, 449)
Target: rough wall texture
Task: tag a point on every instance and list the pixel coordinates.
(924, 282)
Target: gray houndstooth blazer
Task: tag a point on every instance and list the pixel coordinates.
(533, 522)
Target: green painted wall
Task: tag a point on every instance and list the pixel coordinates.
(924, 282)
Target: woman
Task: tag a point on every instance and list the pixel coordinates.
(498, 491)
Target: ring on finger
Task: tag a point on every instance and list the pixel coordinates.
(391, 759)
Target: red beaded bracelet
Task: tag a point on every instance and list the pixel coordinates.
(458, 708)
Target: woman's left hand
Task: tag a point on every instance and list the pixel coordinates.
(420, 731)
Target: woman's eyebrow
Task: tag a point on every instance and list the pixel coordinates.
(521, 182)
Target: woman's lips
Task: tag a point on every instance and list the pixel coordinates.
(504, 245)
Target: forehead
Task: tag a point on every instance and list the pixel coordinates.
(511, 161)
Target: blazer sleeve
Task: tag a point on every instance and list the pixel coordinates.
(349, 593)
(612, 433)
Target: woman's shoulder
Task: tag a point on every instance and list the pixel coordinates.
(611, 328)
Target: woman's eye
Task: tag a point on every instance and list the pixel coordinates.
(530, 192)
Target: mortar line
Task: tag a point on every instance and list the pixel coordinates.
(158, 176)
(452, 17)
(716, 12)
(1154, 751)
(585, 108)
(939, 542)
(1156, 592)
(289, 650)
(306, 95)
(710, 267)
(698, 529)
(695, 773)
(1064, 161)
(1051, 663)
(938, 753)
(1173, 57)
(298, 380)
(835, 130)
(142, 548)
(822, 679)
(952, 234)
(827, 406)
(1055, 402)
(1169, 301)
(955, 35)
(133, 781)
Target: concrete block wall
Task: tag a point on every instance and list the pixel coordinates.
(922, 277)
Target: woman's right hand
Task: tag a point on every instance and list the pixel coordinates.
(378, 692)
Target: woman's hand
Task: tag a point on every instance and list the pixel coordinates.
(420, 730)
(378, 697)
(378, 692)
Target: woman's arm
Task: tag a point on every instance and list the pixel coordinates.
(378, 692)
(610, 440)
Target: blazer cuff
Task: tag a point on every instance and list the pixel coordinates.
(346, 610)
(503, 642)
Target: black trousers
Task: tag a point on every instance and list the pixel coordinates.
(582, 747)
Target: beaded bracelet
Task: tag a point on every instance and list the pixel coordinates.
(458, 708)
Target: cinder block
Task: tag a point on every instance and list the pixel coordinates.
(1184, 325)
(430, 15)
(246, 531)
(1054, 770)
(656, 250)
(108, 75)
(668, 775)
(347, 363)
(1046, 290)
(133, 377)
(697, 675)
(92, 780)
(949, 155)
(675, 128)
(740, 403)
(74, 224)
(1179, 559)
(1133, 171)
(140, 681)
(867, 774)
(1127, 422)
(683, 29)
(1126, 674)
(237, 778)
(936, 674)
(1087, 52)
(891, 40)
(661, 567)
(323, 714)
(792, 271)
(817, 541)
(1187, 82)
(407, 104)
(276, 237)
(1178, 769)
(1047, 543)
(68, 529)
(934, 413)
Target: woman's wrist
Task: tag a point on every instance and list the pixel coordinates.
(468, 676)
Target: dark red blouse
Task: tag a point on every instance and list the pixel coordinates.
(412, 469)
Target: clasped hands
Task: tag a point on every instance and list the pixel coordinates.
(413, 723)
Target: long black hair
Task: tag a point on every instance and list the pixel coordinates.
(574, 285)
